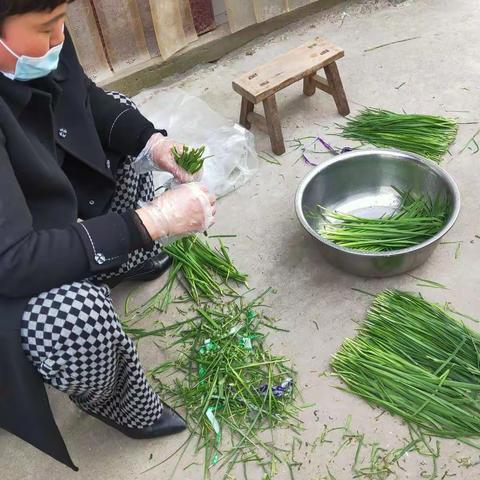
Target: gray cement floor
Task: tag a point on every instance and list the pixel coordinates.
(440, 74)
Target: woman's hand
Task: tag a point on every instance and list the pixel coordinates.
(183, 210)
(160, 148)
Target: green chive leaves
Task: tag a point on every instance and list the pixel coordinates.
(418, 219)
(425, 135)
(416, 361)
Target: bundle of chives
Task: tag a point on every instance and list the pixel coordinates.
(425, 135)
(416, 361)
(206, 273)
(190, 159)
(231, 386)
(201, 265)
(418, 219)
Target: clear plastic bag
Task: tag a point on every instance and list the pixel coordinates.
(233, 159)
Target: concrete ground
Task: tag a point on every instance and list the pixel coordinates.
(436, 73)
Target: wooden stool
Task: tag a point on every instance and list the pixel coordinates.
(261, 85)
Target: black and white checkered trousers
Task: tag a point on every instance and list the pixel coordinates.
(75, 339)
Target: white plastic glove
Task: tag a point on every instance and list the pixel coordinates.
(157, 155)
(181, 211)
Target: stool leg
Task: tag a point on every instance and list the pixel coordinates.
(309, 87)
(247, 107)
(274, 125)
(336, 85)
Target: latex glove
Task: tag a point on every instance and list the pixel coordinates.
(157, 155)
(181, 211)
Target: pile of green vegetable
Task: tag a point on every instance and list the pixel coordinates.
(415, 360)
(418, 218)
(425, 135)
(232, 388)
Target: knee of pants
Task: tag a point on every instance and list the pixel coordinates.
(69, 326)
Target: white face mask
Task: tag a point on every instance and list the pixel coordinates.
(30, 68)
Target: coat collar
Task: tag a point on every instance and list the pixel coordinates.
(61, 73)
(18, 94)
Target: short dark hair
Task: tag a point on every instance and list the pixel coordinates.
(18, 7)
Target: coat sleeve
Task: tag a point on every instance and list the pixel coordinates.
(33, 261)
(122, 128)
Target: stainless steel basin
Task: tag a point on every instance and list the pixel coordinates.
(360, 183)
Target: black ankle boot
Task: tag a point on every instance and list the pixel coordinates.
(170, 423)
(150, 270)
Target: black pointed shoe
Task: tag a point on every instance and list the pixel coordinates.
(150, 270)
(170, 423)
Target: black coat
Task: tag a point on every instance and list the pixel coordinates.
(42, 246)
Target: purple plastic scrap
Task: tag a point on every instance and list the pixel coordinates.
(331, 149)
(308, 162)
(278, 391)
(328, 147)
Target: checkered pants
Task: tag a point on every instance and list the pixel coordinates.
(75, 340)
(132, 191)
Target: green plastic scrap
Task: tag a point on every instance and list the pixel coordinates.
(216, 428)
